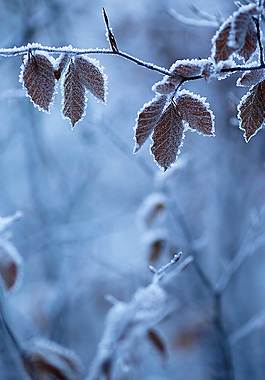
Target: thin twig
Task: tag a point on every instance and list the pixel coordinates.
(35, 47)
(261, 54)
(110, 35)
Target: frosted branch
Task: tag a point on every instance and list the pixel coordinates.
(254, 323)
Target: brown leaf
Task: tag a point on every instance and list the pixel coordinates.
(10, 263)
(50, 359)
(74, 95)
(60, 65)
(236, 34)
(195, 111)
(251, 78)
(92, 77)
(147, 119)
(240, 24)
(167, 137)
(188, 68)
(166, 86)
(157, 342)
(221, 50)
(250, 45)
(180, 70)
(38, 79)
(156, 248)
(251, 111)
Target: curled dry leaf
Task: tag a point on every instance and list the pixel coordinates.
(167, 137)
(60, 65)
(236, 35)
(38, 79)
(156, 248)
(167, 85)
(74, 95)
(195, 111)
(251, 78)
(10, 263)
(157, 342)
(180, 71)
(251, 111)
(45, 358)
(250, 45)
(221, 51)
(240, 24)
(153, 209)
(147, 119)
(92, 76)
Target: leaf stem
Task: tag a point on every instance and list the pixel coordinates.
(261, 53)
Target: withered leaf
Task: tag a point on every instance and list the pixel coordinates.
(92, 77)
(250, 45)
(167, 137)
(195, 111)
(147, 119)
(236, 34)
(38, 79)
(74, 95)
(60, 65)
(157, 342)
(180, 70)
(251, 111)
(156, 248)
(251, 78)
(188, 68)
(167, 85)
(240, 24)
(221, 50)
(10, 263)
(50, 359)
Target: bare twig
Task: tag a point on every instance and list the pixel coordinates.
(159, 273)
(109, 34)
(254, 323)
(201, 22)
(261, 54)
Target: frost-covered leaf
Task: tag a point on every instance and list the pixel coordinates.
(251, 111)
(194, 110)
(60, 65)
(157, 342)
(188, 68)
(167, 137)
(10, 263)
(46, 358)
(92, 76)
(250, 45)
(221, 51)
(251, 78)
(147, 119)
(74, 95)
(38, 79)
(240, 25)
(166, 85)
(152, 209)
(236, 34)
(180, 70)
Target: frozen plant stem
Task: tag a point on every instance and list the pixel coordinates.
(261, 53)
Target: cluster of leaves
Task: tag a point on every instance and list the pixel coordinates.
(173, 111)
(40, 72)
